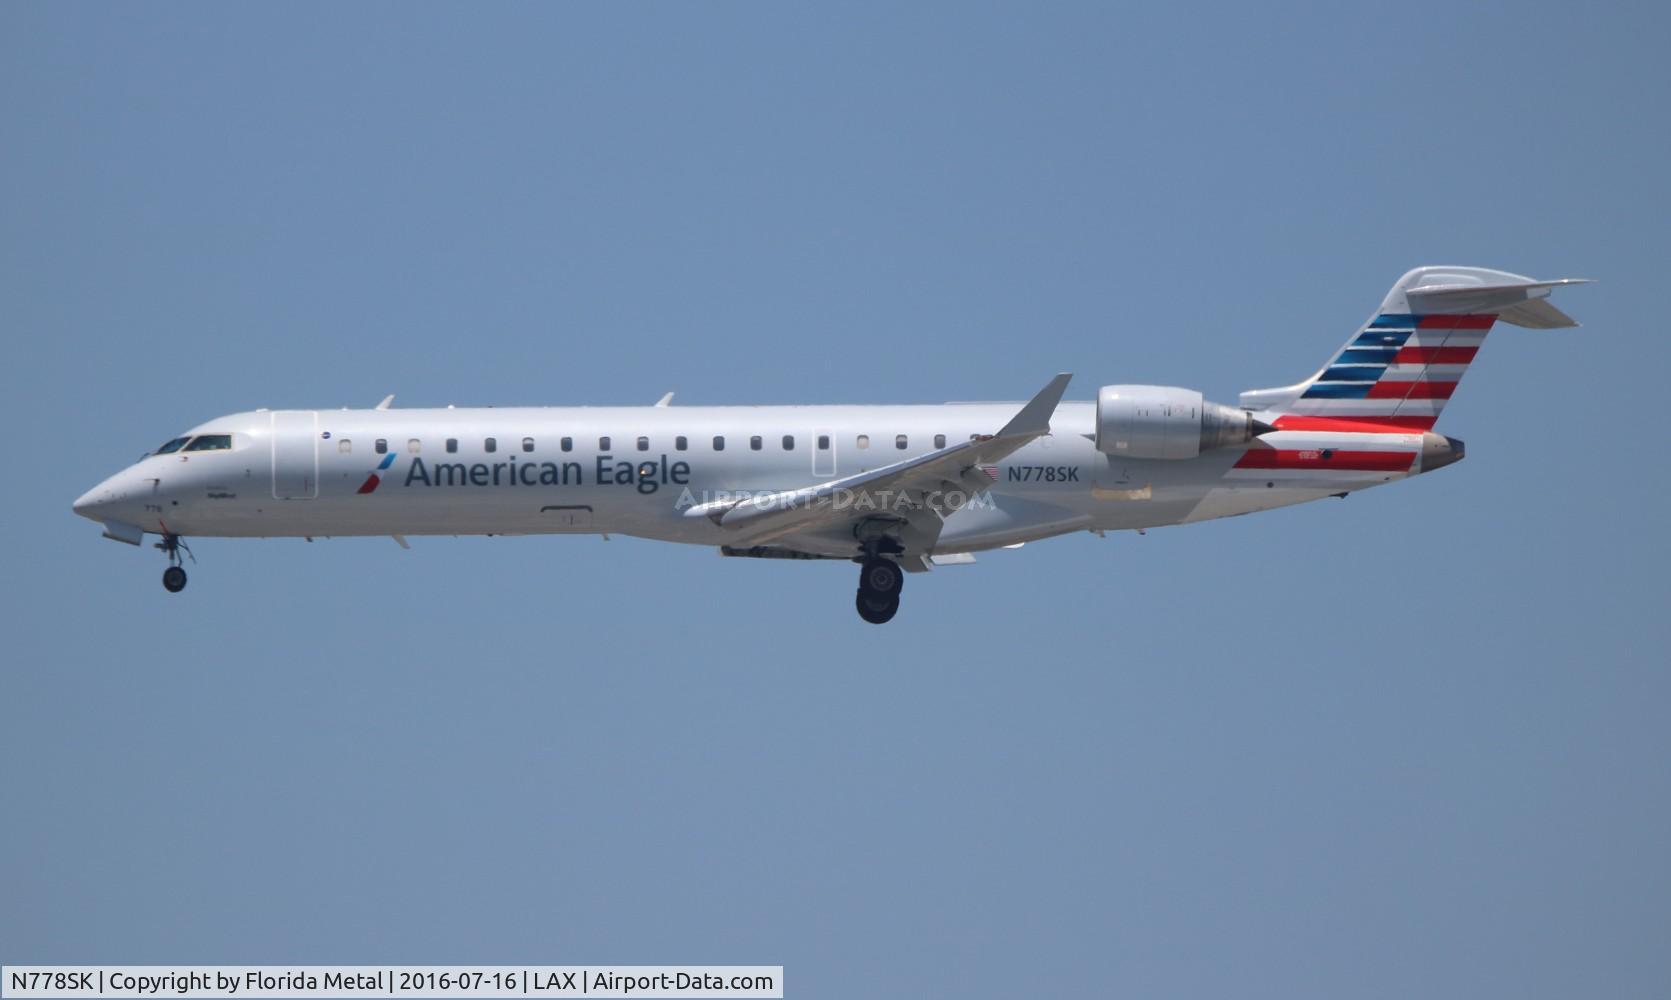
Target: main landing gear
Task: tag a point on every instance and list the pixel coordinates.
(880, 581)
(174, 577)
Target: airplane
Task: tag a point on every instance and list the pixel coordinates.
(895, 489)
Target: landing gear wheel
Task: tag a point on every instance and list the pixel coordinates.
(877, 609)
(174, 577)
(881, 576)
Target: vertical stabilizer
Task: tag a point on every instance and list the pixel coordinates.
(1400, 368)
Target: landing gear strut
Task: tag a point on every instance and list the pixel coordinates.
(880, 581)
(174, 577)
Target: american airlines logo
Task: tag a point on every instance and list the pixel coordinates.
(373, 480)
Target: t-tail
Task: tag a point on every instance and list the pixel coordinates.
(1407, 360)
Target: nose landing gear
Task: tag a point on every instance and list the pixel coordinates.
(880, 581)
(174, 577)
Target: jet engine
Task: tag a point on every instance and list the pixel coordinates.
(1163, 421)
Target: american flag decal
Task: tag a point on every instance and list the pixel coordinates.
(1396, 374)
(990, 470)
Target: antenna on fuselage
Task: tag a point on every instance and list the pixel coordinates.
(386, 401)
(665, 401)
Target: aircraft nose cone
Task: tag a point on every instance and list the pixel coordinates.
(100, 502)
(90, 503)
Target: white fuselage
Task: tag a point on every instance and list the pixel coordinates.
(636, 470)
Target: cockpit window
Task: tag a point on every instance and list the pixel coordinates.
(172, 446)
(210, 442)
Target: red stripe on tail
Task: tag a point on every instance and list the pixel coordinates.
(1411, 390)
(1366, 424)
(1435, 355)
(1327, 458)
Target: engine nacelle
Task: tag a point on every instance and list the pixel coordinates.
(1163, 421)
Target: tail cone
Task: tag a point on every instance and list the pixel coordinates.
(1439, 451)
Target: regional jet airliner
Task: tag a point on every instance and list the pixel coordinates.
(895, 489)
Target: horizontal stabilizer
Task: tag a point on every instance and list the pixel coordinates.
(1537, 314)
(1521, 302)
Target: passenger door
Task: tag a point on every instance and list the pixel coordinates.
(295, 454)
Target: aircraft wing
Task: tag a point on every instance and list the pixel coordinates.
(913, 485)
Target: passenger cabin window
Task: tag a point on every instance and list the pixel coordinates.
(172, 446)
(823, 442)
(382, 446)
(899, 442)
(527, 444)
(680, 444)
(719, 443)
(345, 446)
(491, 445)
(789, 442)
(603, 444)
(754, 443)
(643, 444)
(863, 441)
(452, 445)
(567, 444)
(413, 445)
(939, 440)
(210, 442)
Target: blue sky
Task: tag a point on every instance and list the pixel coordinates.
(1409, 743)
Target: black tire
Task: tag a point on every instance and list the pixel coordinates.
(877, 609)
(882, 576)
(174, 579)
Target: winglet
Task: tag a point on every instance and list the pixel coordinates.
(1034, 418)
(666, 400)
(386, 401)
